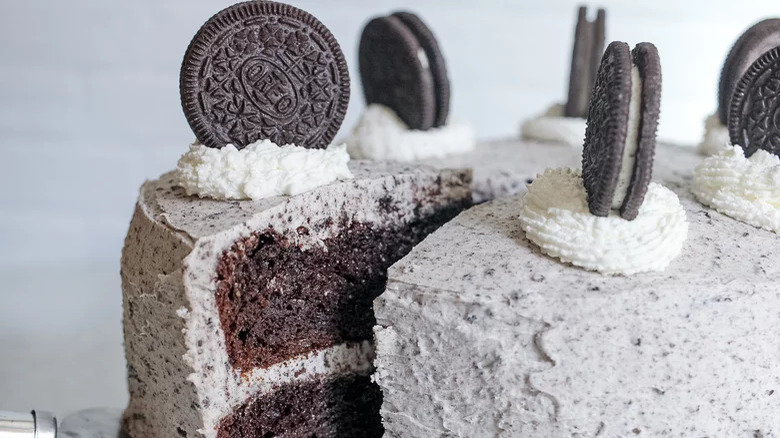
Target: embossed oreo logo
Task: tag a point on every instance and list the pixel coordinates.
(269, 88)
(264, 70)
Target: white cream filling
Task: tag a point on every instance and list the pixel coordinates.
(382, 135)
(555, 216)
(747, 189)
(260, 170)
(552, 126)
(632, 140)
(716, 136)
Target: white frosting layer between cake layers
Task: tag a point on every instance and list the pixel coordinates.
(552, 126)
(716, 136)
(480, 335)
(260, 170)
(555, 217)
(747, 189)
(382, 135)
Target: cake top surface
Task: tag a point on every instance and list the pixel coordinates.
(483, 254)
(164, 200)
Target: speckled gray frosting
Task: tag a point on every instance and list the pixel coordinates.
(181, 381)
(503, 167)
(481, 335)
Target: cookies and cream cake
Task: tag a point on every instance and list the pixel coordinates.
(480, 334)
(248, 273)
(666, 325)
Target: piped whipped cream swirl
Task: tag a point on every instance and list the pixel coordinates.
(747, 189)
(552, 126)
(556, 218)
(382, 135)
(260, 170)
(716, 136)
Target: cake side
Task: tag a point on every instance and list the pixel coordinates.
(152, 282)
(481, 335)
(231, 242)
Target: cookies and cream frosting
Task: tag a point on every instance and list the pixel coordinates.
(260, 170)
(716, 136)
(555, 216)
(552, 126)
(382, 135)
(747, 189)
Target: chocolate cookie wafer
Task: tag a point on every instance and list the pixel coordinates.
(589, 39)
(617, 157)
(755, 41)
(402, 67)
(264, 70)
(754, 121)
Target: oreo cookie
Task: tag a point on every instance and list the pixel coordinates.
(754, 114)
(402, 67)
(755, 41)
(264, 70)
(589, 40)
(617, 156)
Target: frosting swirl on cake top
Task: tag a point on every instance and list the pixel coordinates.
(382, 135)
(260, 170)
(555, 217)
(747, 189)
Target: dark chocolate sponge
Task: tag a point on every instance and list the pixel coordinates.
(588, 48)
(264, 70)
(754, 42)
(754, 116)
(402, 67)
(648, 62)
(605, 135)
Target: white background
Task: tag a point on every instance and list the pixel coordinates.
(89, 108)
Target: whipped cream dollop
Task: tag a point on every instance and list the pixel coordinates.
(556, 218)
(260, 170)
(382, 135)
(716, 136)
(552, 126)
(747, 189)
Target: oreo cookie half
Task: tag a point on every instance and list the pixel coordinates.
(754, 115)
(589, 39)
(617, 156)
(755, 41)
(264, 70)
(402, 67)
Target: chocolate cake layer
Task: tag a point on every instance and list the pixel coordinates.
(341, 407)
(277, 301)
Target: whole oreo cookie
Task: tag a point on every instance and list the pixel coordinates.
(401, 67)
(612, 131)
(264, 70)
(755, 41)
(754, 116)
(589, 39)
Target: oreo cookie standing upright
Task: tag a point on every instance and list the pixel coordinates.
(755, 41)
(617, 158)
(589, 40)
(264, 70)
(402, 67)
(754, 114)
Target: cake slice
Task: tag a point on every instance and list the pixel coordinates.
(253, 318)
